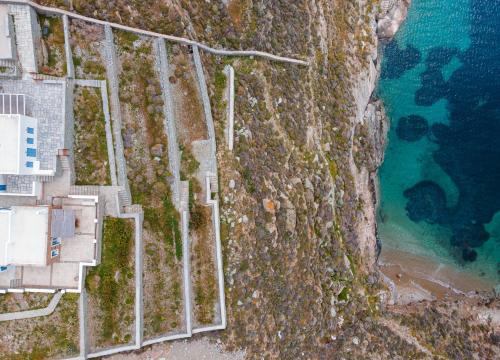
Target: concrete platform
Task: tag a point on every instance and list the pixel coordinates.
(65, 275)
(78, 249)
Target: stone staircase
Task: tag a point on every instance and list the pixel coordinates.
(44, 77)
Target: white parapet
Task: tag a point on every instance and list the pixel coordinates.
(229, 70)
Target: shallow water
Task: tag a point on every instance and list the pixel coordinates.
(440, 183)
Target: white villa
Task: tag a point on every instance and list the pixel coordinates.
(49, 232)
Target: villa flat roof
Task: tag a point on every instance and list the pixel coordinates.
(23, 235)
(9, 144)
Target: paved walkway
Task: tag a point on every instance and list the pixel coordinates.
(169, 122)
(116, 116)
(67, 48)
(181, 40)
(202, 85)
(33, 313)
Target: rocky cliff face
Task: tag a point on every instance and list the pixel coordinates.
(298, 192)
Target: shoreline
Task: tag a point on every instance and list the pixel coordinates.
(416, 278)
(409, 276)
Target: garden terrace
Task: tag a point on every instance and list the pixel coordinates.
(145, 144)
(90, 149)
(202, 249)
(203, 267)
(188, 108)
(54, 63)
(110, 287)
(86, 46)
(47, 337)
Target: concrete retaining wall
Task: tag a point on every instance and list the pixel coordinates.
(229, 70)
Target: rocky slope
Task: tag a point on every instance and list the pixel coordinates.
(298, 192)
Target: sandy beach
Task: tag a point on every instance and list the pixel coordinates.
(417, 278)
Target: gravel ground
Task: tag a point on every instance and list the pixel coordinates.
(183, 350)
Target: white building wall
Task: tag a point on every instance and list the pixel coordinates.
(26, 122)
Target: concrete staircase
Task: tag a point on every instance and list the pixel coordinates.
(214, 183)
(386, 5)
(11, 68)
(45, 202)
(124, 199)
(65, 162)
(132, 209)
(43, 178)
(16, 283)
(89, 190)
(184, 195)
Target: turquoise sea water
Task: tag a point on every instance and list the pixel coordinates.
(440, 184)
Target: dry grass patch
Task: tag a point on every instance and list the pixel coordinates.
(86, 47)
(90, 148)
(203, 268)
(188, 107)
(12, 302)
(46, 337)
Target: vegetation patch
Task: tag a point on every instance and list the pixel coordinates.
(145, 144)
(46, 337)
(202, 235)
(54, 56)
(86, 46)
(203, 265)
(188, 107)
(90, 147)
(12, 302)
(111, 285)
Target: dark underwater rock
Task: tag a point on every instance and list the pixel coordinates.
(426, 202)
(470, 235)
(469, 255)
(412, 128)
